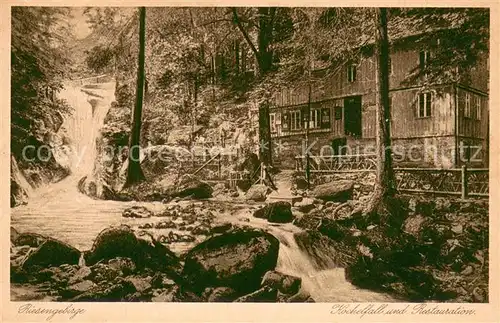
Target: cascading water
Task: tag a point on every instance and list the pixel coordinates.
(61, 211)
(325, 282)
(314, 262)
(91, 104)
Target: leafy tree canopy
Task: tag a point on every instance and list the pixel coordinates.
(39, 64)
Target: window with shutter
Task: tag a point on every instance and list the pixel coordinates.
(421, 106)
(422, 60)
(467, 110)
(315, 119)
(478, 107)
(425, 56)
(325, 118)
(272, 122)
(285, 121)
(428, 102)
(424, 105)
(304, 116)
(296, 120)
(337, 112)
(351, 73)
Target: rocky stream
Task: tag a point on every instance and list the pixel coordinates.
(229, 246)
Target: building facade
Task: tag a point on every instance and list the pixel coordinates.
(440, 125)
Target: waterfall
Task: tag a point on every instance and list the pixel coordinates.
(320, 275)
(90, 104)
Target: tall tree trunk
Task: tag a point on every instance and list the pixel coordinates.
(237, 56)
(134, 171)
(264, 39)
(265, 145)
(384, 182)
(193, 114)
(308, 121)
(265, 64)
(264, 58)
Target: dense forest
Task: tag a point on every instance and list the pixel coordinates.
(174, 79)
(207, 66)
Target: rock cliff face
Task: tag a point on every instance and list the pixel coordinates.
(45, 159)
(109, 166)
(19, 186)
(109, 169)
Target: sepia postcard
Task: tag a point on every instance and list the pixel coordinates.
(167, 155)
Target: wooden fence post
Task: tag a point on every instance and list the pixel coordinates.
(308, 171)
(262, 172)
(464, 182)
(219, 166)
(221, 149)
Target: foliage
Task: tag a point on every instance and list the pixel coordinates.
(199, 58)
(458, 39)
(38, 66)
(99, 59)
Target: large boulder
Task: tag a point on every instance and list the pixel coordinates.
(63, 275)
(113, 242)
(301, 183)
(29, 239)
(332, 229)
(277, 212)
(338, 191)
(50, 253)
(414, 224)
(306, 205)
(286, 284)
(115, 291)
(140, 247)
(102, 272)
(257, 193)
(412, 283)
(123, 265)
(141, 284)
(78, 288)
(238, 259)
(221, 228)
(189, 185)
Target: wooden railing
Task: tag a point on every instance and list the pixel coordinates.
(464, 182)
(337, 163)
(235, 176)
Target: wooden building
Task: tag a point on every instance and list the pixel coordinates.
(437, 125)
